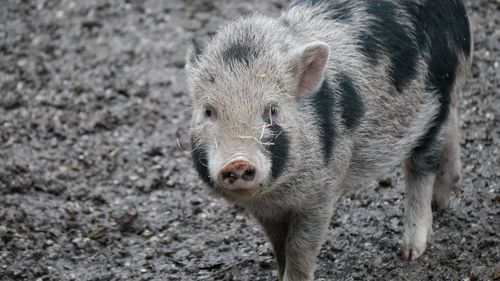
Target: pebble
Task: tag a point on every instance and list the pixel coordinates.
(150, 252)
(10, 100)
(147, 233)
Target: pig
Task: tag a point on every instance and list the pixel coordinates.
(290, 113)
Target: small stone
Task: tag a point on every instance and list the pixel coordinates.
(143, 270)
(196, 201)
(150, 252)
(263, 249)
(147, 233)
(385, 182)
(126, 222)
(11, 100)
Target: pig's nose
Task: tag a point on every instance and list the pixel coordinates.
(238, 170)
(238, 175)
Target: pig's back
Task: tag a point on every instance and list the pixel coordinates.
(403, 60)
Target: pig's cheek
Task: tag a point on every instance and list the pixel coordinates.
(215, 164)
(265, 163)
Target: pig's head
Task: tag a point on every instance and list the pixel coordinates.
(245, 86)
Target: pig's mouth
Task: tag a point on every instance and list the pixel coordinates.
(240, 195)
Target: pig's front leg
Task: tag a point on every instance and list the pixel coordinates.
(305, 236)
(277, 231)
(296, 238)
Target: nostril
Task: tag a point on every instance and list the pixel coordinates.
(230, 176)
(248, 175)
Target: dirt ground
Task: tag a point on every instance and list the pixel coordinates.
(93, 185)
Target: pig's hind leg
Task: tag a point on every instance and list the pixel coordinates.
(432, 172)
(420, 174)
(448, 174)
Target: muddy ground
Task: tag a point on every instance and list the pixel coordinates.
(93, 185)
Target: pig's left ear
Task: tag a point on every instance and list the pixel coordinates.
(308, 65)
(195, 49)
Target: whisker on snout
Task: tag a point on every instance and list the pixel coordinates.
(255, 139)
(184, 150)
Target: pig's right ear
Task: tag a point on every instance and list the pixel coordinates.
(195, 49)
(308, 66)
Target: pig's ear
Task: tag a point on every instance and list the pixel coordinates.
(195, 49)
(308, 65)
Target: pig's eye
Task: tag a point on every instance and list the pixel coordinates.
(209, 112)
(270, 113)
(274, 110)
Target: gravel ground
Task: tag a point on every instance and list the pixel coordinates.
(93, 185)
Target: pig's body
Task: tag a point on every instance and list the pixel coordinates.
(291, 112)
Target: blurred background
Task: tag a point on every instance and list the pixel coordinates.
(94, 184)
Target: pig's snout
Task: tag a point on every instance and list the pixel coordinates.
(239, 174)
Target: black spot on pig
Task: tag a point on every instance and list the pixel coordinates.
(323, 102)
(456, 27)
(385, 35)
(424, 160)
(340, 10)
(278, 149)
(200, 161)
(350, 102)
(239, 52)
(442, 36)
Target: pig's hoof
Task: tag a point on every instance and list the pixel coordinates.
(440, 203)
(411, 254)
(415, 238)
